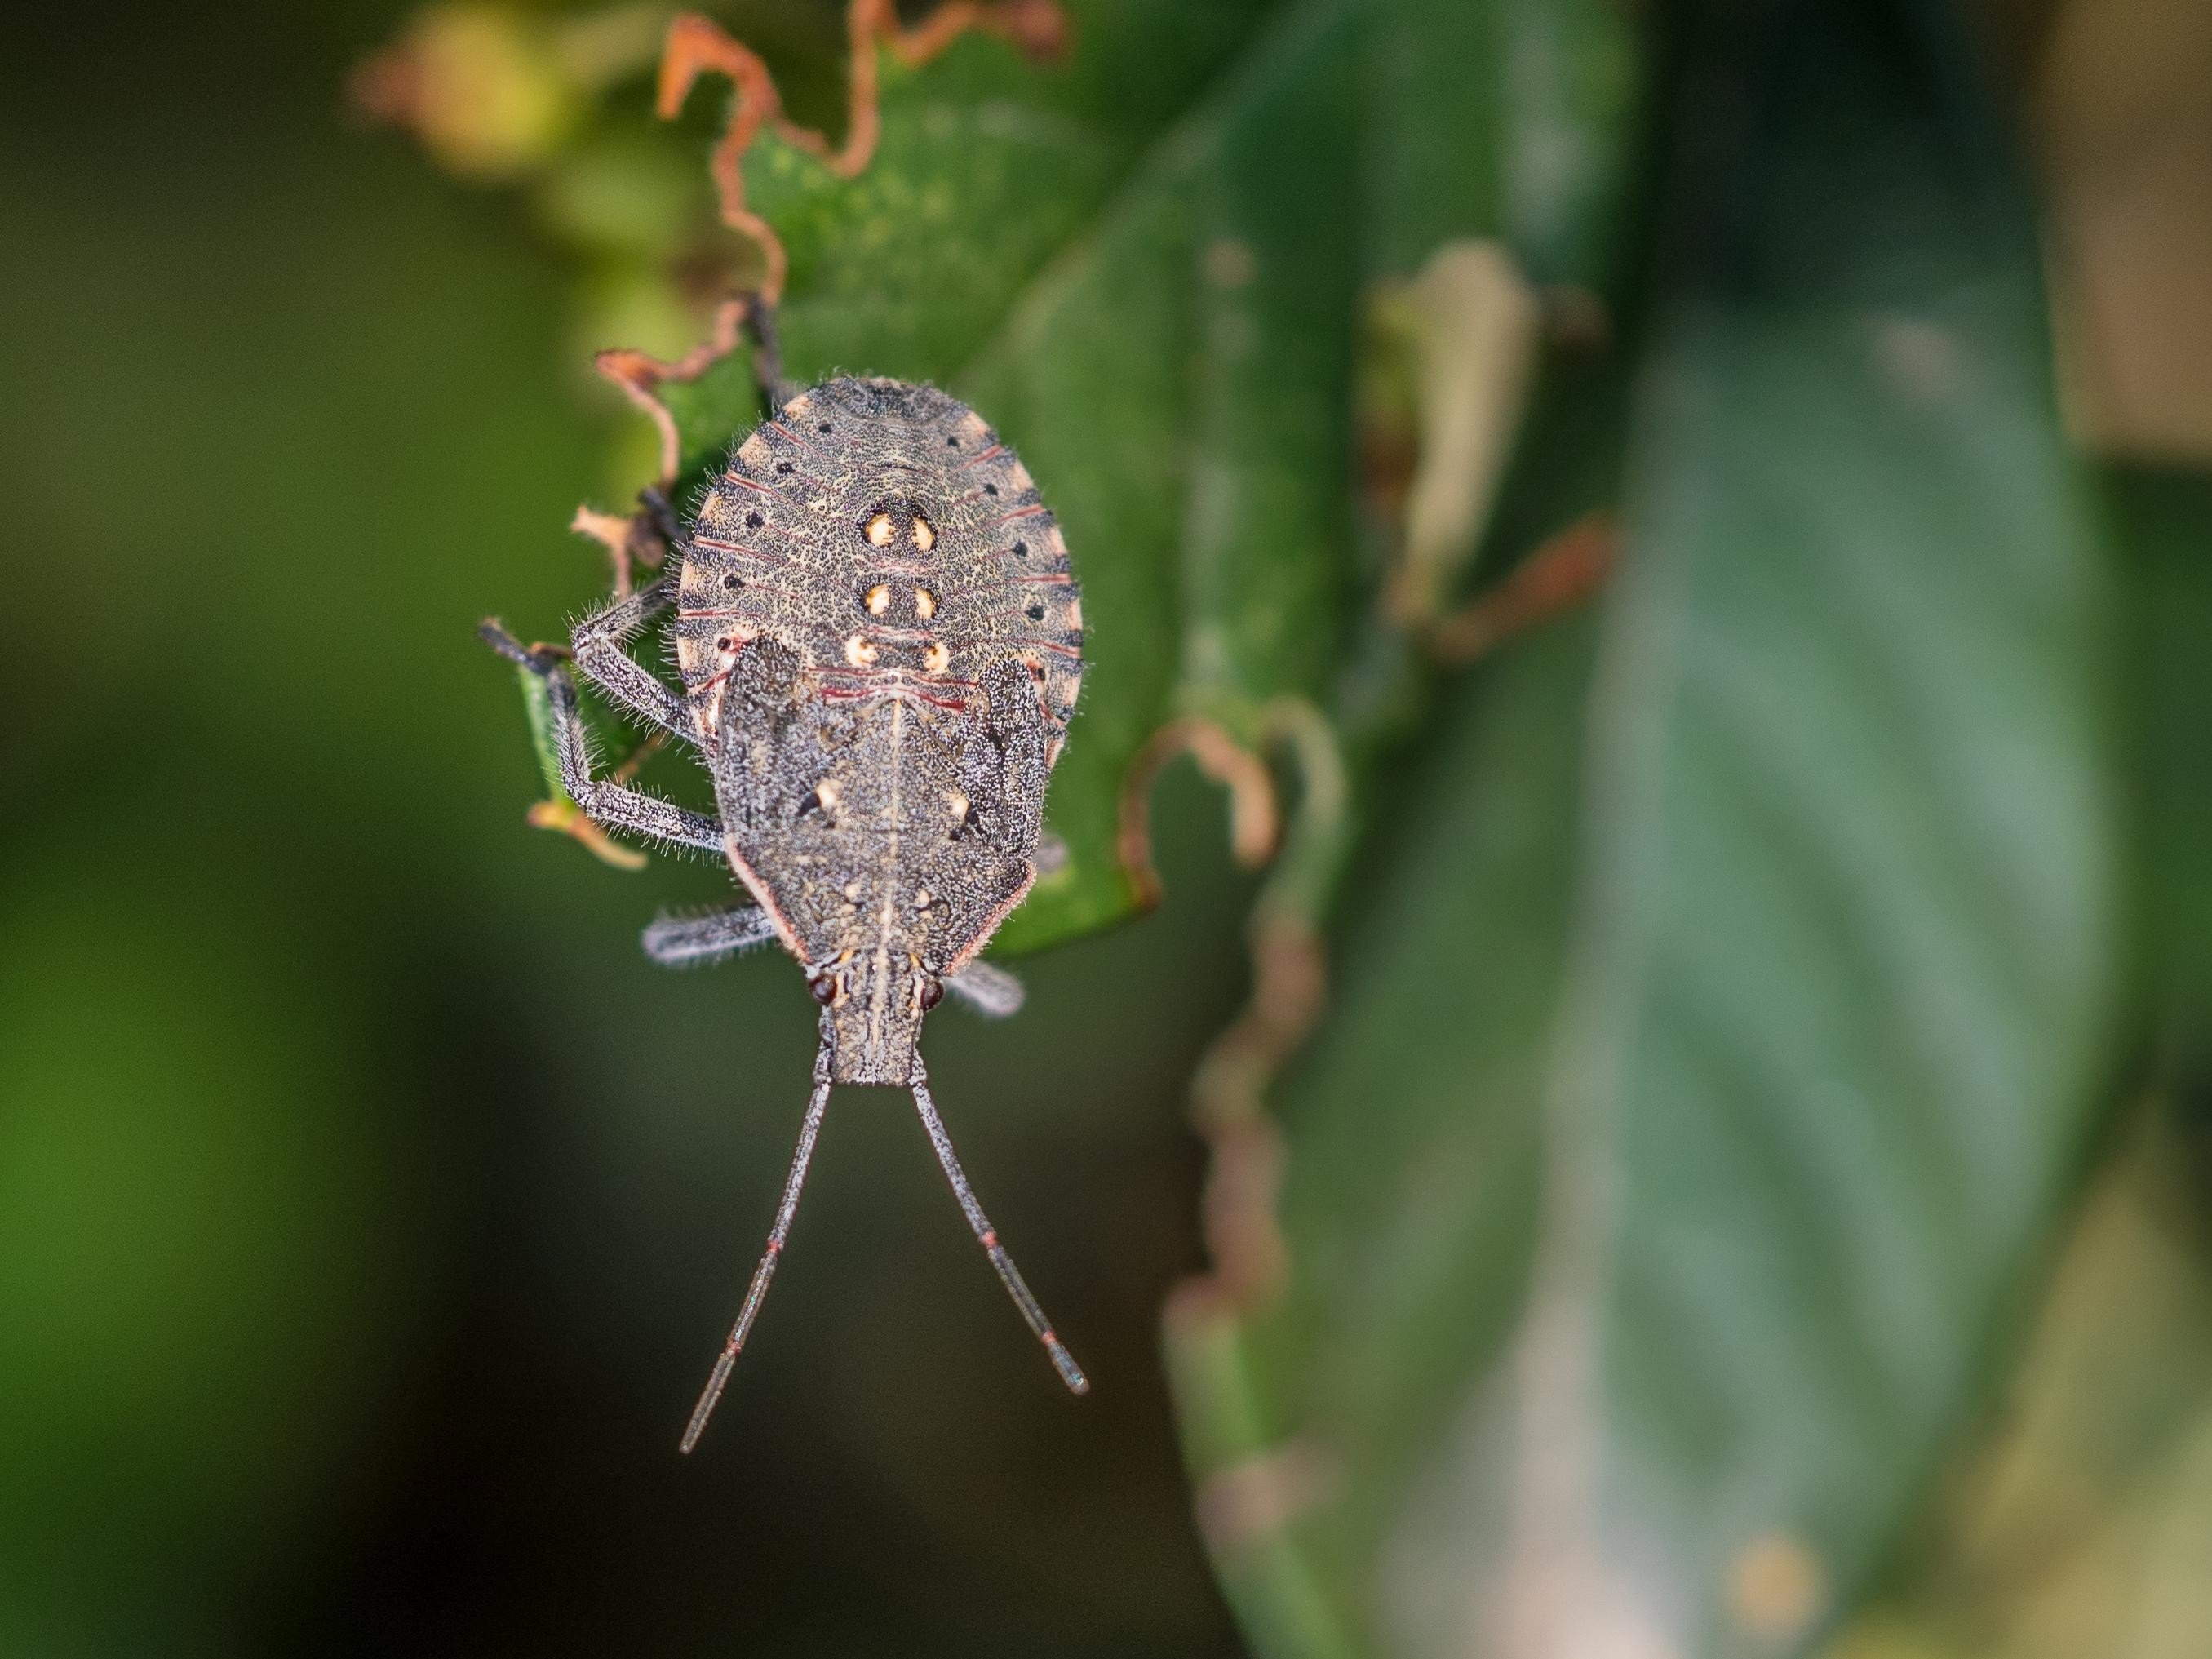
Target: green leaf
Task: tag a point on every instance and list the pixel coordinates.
(1647, 1239)
(1146, 265)
(537, 710)
(2084, 1521)
(1198, 440)
(1410, 1198)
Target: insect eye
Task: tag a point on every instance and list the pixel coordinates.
(933, 992)
(824, 986)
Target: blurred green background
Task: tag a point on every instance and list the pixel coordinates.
(1747, 1191)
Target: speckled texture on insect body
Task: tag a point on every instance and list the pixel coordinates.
(880, 645)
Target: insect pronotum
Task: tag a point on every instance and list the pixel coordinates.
(880, 645)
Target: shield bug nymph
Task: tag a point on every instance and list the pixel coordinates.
(880, 645)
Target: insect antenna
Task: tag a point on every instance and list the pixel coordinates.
(756, 1292)
(1063, 1361)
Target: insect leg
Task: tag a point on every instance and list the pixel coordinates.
(991, 992)
(598, 645)
(756, 1292)
(680, 941)
(1063, 1362)
(768, 353)
(608, 804)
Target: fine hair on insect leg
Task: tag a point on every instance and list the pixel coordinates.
(688, 941)
(810, 1130)
(1063, 1361)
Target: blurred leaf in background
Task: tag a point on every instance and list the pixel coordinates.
(2084, 1524)
(1733, 1208)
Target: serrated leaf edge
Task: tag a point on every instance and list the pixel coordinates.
(698, 46)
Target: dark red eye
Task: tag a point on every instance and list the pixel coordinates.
(933, 992)
(824, 986)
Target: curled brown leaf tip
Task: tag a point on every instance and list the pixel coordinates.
(1250, 1260)
(1560, 574)
(698, 46)
(635, 538)
(640, 375)
(630, 541)
(1255, 823)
